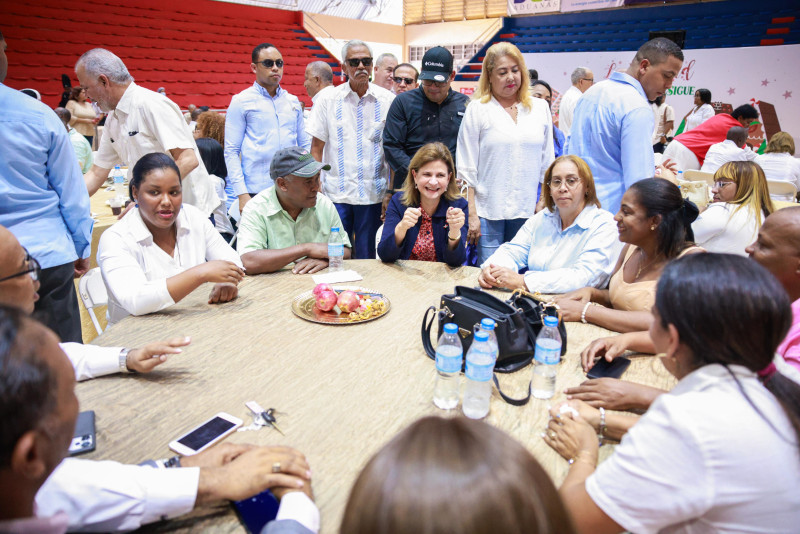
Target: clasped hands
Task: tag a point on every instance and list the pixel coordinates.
(499, 276)
(455, 220)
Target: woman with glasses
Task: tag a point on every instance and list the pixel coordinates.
(741, 203)
(505, 145)
(570, 244)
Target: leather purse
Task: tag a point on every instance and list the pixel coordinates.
(518, 321)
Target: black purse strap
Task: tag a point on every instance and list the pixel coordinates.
(512, 400)
(426, 332)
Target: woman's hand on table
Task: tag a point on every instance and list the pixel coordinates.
(224, 292)
(605, 347)
(497, 276)
(148, 357)
(455, 220)
(309, 266)
(571, 436)
(570, 309)
(614, 394)
(220, 272)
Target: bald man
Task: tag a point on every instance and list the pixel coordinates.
(319, 77)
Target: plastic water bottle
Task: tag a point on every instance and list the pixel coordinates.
(449, 357)
(335, 251)
(680, 176)
(480, 365)
(546, 357)
(119, 183)
(488, 326)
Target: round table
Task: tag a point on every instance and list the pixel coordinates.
(344, 390)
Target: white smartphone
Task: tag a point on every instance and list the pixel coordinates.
(205, 435)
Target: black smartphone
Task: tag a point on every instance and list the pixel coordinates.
(605, 369)
(257, 511)
(84, 439)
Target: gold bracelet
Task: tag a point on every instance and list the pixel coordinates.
(453, 238)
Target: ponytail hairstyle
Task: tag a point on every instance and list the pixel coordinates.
(662, 197)
(751, 187)
(147, 164)
(714, 301)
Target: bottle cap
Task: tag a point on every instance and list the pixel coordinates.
(451, 328)
(487, 324)
(481, 335)
(549, 320)
(334, 228)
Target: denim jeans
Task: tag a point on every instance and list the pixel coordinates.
(494, 234)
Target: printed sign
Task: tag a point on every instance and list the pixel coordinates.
(529, 7)
(583, 5)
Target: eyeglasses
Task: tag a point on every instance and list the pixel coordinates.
(33, 269)
(354, 62)
(720, 185)
(572, 182)
(428, 83)
(588, 79)
(268, 63)
(408, 81)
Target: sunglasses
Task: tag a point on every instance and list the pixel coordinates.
(32, 268)
(408, 81)
(366, 61)
(268, 63)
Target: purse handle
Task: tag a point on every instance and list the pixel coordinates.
(431, 352)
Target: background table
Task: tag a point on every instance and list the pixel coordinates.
(345, 390)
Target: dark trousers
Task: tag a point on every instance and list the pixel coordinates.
(57, 306)
(361, 222)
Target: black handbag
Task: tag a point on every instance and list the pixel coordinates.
(518, 321)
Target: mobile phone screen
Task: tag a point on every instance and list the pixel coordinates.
(207, 433)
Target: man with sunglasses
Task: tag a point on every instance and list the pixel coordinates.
(430, 113)
(346, 124)
(405, 78)
(261, 120)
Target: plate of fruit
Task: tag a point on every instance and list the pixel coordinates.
(340, 305)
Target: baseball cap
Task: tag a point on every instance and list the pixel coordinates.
(295, 160)
(437, 64)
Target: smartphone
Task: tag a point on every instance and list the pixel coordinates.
(605, 369)
(205, 435)
(257, 511)
(84, 438)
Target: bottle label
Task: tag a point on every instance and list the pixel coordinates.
(335, 250)
(447, 363)
(548, 351)
(479, 372)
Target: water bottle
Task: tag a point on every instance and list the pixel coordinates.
(119, 183)
(680, 176)
(488, 326)
(546, 358)
(480, 365)
(449, 357)
(335, 251)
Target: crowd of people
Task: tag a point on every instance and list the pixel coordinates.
(409, 168)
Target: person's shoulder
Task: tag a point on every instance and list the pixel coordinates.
(382, 94)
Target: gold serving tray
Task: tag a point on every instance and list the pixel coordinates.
(304, 307)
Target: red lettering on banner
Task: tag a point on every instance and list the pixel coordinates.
(686, 72)
(611, 68)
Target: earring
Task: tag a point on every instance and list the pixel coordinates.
(653, 227)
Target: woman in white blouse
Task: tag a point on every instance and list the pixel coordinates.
(162, 250)
(505, 145)
(719, 453)
(778, 161)
(702, 110)
(570, 244)
(741, 203)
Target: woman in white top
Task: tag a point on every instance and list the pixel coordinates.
(741, 203)
(570, 244)
(505, 145)
(719, 453)
(778, 161)
(162, 250)
(702, 110)
(213, 156)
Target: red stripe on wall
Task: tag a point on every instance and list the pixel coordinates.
(783, 20)
(769, 42)
(776, 31)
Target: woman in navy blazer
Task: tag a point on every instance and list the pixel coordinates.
(425, 221)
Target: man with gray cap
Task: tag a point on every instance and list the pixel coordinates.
(290, 221)
(429, 113)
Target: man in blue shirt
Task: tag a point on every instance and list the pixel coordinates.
(44, 202)
(261, 120)
(613, 122)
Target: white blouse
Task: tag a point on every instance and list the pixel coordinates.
(699, 116)
(780, 167)
(135, 269)
(502, 160)
(723, 229)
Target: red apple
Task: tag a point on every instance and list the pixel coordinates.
(326, 300)
(348, 301)
(320, 288)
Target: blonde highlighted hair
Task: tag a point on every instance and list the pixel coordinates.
(780, 142)
(751, 187)
(495, 52)
(428, 154)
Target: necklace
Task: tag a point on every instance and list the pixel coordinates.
(642, 267)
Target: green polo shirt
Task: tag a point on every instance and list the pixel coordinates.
(266, 225)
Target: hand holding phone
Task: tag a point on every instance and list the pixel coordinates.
(205, 435)
(605, 369)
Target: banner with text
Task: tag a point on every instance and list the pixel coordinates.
(533, 7)
(583, 5)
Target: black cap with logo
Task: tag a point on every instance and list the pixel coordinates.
(437, 64)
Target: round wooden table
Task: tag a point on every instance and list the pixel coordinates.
(344, 390)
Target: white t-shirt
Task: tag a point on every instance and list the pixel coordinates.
(780, 167)
(566, 109)
(723, 229)
(702, 460)
(664, 114)
(721, 153)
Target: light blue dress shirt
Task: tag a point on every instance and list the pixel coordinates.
(612, 130)
(256, 126)
(558, 261)
(43, 198)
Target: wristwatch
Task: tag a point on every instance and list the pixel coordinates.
(123, 361)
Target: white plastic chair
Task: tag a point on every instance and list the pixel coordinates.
(692, 175)
(93, 293)
(378, 235)
(779, 190)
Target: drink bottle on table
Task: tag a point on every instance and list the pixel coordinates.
(449, 358)
(488, 326)
(480, 365)
(335, 251)
(546, 357)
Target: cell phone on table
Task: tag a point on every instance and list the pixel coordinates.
(605, 369)
(84, 438)
(206, 434)
(257, 511)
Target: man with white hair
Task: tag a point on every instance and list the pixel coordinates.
(582, 79)
(347, 128)
(318, 79)
(139, 122)
(384, 71)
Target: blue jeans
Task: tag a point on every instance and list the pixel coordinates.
(494, 234)
(361, 222)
